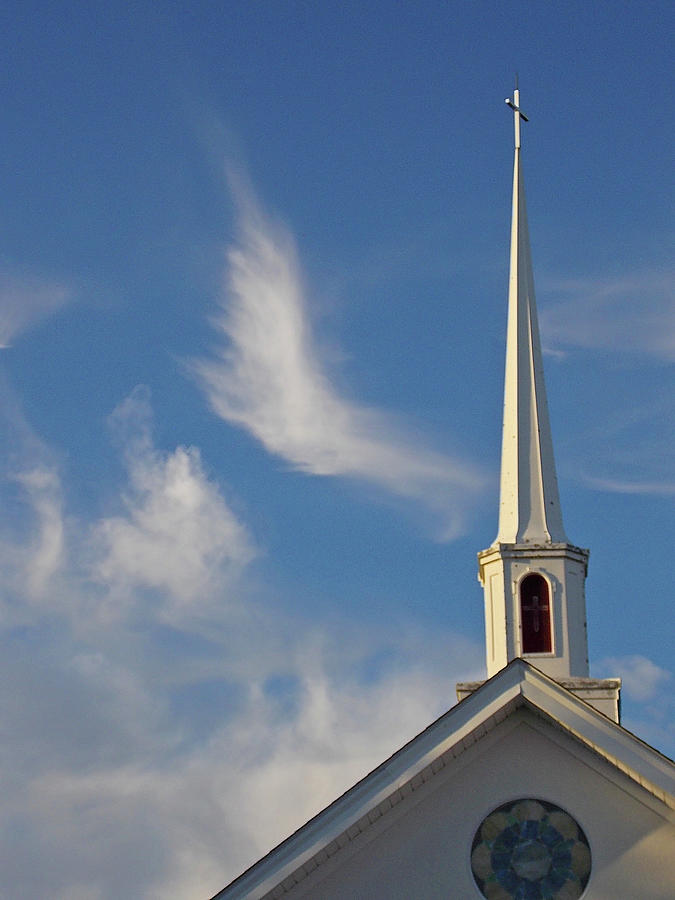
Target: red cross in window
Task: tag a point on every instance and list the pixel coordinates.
(535, 608)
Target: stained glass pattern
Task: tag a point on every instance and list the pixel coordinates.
(530, 850)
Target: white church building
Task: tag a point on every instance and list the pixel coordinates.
(529, 788)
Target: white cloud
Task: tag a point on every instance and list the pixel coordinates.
(283, 771)
(44, 554)
(25, 301)
(617, 486)
(641, 678)
(177, 536)
(268, 378)
(33, 543)
(648, 708)
(119, 801)
(633, 314)
(158, 750)
(183, 823)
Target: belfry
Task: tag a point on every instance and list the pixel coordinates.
(529, 788)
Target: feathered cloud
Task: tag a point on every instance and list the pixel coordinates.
(268, 377)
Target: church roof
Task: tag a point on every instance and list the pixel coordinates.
(440, 745)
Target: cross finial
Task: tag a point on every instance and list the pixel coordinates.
(517, 113)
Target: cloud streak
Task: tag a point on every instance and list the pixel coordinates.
(634, 314)
(26, 301)
(616, 486)
(267, 377)
(632, 320)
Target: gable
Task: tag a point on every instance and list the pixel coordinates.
(582, 749)
(421, 847)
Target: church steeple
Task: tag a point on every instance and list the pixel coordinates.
(532, 576)
(529, 509)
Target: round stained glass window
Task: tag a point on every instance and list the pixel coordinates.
(530, 850)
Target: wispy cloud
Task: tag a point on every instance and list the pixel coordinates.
(25, 301)
(642, 678)
(46, 550)
(647, 688)
(33, 545)
(633, 314)
(268, 377)
(617, 486)
(625, 448)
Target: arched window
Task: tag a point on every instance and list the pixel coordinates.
(535, 614)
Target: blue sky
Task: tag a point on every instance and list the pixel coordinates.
(253, 277)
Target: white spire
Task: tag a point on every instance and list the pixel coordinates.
(529, 510)
(533, 579)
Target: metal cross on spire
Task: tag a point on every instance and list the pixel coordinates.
(517, 113)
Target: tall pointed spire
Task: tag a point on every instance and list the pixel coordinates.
(529, 509)
(532, 577)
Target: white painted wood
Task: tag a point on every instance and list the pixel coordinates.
(529, 509)
(531, 536)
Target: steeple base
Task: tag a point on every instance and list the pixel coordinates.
(603, 694)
